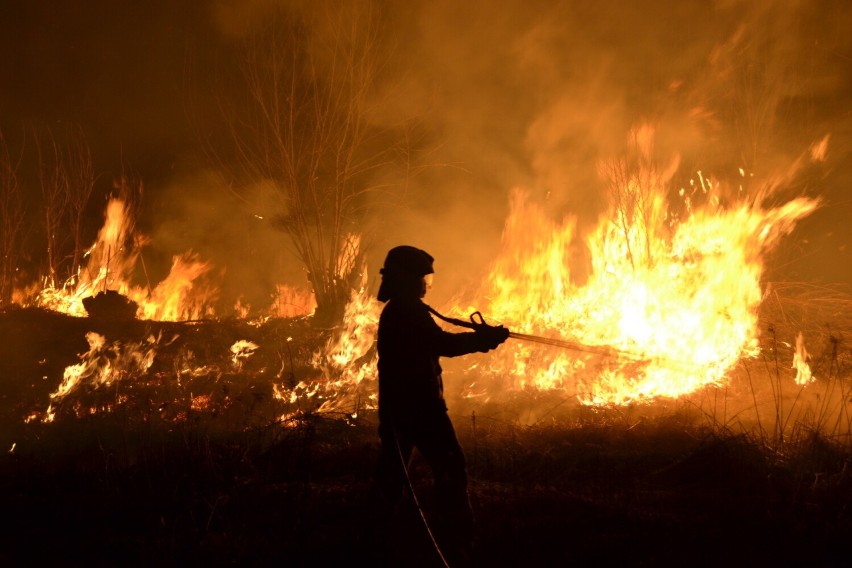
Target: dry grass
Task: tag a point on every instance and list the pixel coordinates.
(755, 472)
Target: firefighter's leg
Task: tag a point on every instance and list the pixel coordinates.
(442, 451)
(394, 455)
(389, 484)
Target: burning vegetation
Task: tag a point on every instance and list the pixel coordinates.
(673, 320)
(670, 306)
(664, 381)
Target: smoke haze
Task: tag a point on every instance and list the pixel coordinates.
(532, 94)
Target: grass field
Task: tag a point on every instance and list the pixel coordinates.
(194, 461)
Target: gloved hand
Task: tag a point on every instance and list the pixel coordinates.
(488, 337)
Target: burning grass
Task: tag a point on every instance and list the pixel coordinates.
(206, 455)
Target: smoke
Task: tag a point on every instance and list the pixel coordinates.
(233, 233)
(520, 93)
(537, 94)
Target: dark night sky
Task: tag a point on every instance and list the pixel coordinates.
(530, 93)
(116, 68)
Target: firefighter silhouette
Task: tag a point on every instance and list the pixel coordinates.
(412, 410)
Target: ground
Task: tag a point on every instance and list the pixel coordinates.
(145, 481)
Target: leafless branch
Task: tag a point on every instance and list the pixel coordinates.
(308, 78)
(12, 213)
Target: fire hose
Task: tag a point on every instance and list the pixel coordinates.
(477, 321)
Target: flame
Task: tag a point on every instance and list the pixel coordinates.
(183, 295)
(111, 261)
(669, 305)
(800, 362)
(241, 350)
(677, 290)
(110, 257)
(88, 368)
(104, 363)
(356, 337)
(346, 363)
(668, 301)
(349, 356)
(177, 297)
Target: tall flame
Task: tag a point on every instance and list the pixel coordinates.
(111, 261)
(678, 293)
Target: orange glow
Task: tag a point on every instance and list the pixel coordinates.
(349, 356)
(668, 299)
(679, 294)
(241, 351)
(111, 261)
(102, 365)
(291, 302)
(800, 362)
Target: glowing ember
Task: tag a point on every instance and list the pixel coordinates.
(241, 351)
(200, 403)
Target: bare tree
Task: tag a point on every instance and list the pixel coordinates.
(79, 173)
(53, 198)
(304, 132)
(11, 221)
(637, 191)
(66, 178)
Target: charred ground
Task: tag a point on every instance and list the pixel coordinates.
(171, 468)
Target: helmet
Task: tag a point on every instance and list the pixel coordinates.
(404, 267)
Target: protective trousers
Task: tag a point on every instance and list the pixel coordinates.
(435, 439)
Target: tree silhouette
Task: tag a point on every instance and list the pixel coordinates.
(302, 131)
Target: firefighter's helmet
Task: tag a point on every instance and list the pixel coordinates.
(404, 268)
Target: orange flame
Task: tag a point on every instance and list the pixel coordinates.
(349, 357)
(800, 362)
(680, 293)
(111, 262)
(177, 297)
(103, 364)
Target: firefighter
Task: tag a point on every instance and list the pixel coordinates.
(412, 410)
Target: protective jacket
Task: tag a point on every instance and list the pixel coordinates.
(410, 344)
